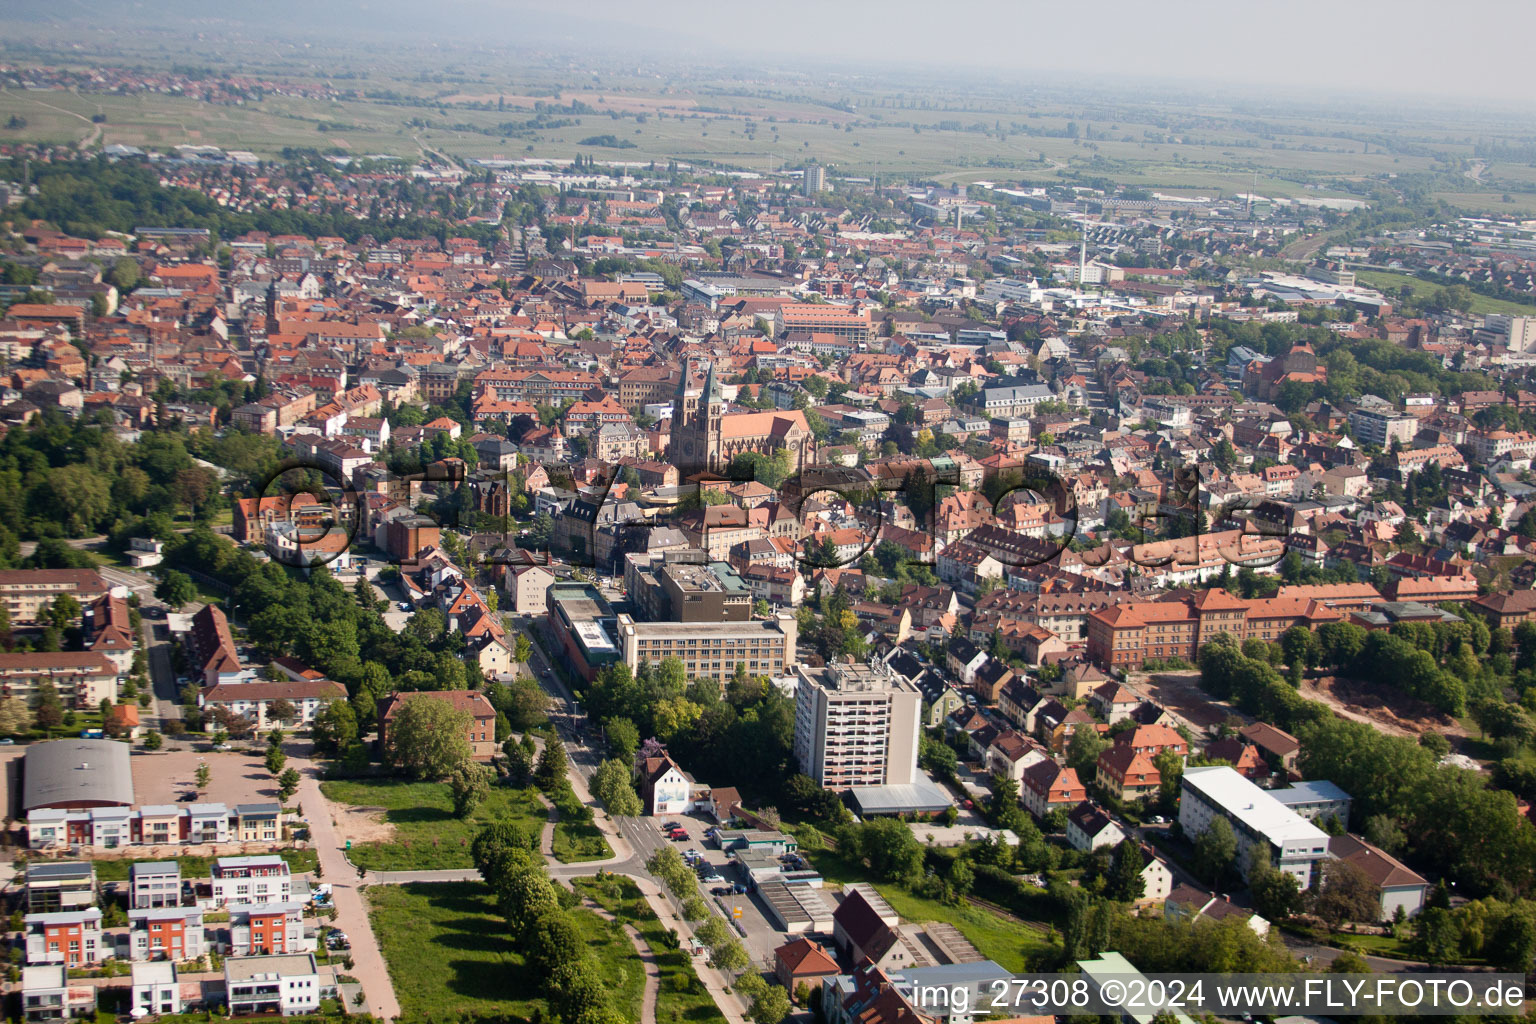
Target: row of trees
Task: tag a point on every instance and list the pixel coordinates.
(538, 918)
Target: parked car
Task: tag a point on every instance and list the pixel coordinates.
(739, 888)
(720, 890)
(678, 837)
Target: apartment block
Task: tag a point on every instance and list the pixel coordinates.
(26, 592)
(82, 679)
(286, 984)
(856, 726)
(1259, 821)
(68, 937)
(1124, 635)
(260, 879)
(166, 933)
(154, 884)
(261, 928)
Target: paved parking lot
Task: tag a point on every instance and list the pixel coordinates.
(762, 935)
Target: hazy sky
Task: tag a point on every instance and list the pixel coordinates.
(1467, 49)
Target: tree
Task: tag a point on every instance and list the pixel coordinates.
(469, 785)
(522, 649)
(611, 784)
(204, 775)
(1382, 830)
(15, 718)
(550, 771)
(887, 846)
(519, 762)
(64, 611)
(282, 712)
(334, 728)
(276, 759)
(1346, 894)
(623, 739)
(153, 740)
(50, 712)
(1215, 850)
(1084, 749)
(1125, 882)
(287, 784)
(769, 1005)
(428, 738)
(176, 589)
(1276, 894)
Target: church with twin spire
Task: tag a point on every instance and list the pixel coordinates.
(705, 438)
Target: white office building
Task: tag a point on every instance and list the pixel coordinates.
(1259, 821)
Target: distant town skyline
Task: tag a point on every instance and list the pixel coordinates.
(1370, 47)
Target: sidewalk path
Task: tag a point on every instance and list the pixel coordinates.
(351, 909)
(648, 958)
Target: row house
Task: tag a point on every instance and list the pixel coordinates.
(166, 933)
(245, 880)
(107, 828)
(257, 929)
(69, 937)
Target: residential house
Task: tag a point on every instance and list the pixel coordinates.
(1047, 785)
(1186, 903)
(154, 884)
(69, 937)
(1397, 886)
(664, 787)
(283, 984)
(480, 729)
(256, 929)
(1127, 774)
(259, 879)
(803, 960)
(156, 990)
(1089, 827)
(48, 995)
(166, 933)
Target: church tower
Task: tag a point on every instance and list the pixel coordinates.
(711, 409)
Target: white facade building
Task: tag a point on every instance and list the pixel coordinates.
(1292, 843)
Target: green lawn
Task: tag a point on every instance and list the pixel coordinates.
(427, 834)
(682, 995)
(1480, 303)
(450, 959)
(1009, 943)
(577, 838)
(299, 862)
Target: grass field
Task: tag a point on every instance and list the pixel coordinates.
(450, 959)
(681, 996)
(959, 137)
(428, 836)
(1480, 303)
